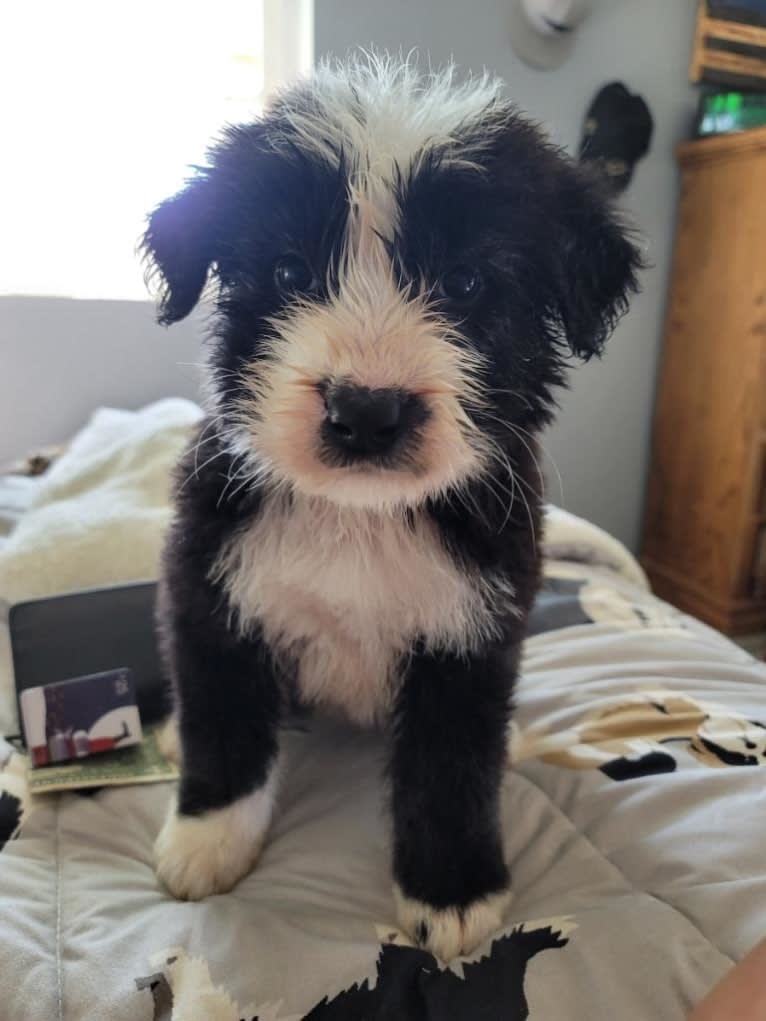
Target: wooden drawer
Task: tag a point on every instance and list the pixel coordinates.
(759, 565)
(705, 524)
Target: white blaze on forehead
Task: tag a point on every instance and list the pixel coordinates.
(383, 117)
(382, 113)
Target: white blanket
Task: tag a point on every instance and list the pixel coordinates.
(99, 515)
(569, 538)
(637, 741)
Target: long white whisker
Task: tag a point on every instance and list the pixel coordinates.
(548, 456)
(200, 442)
(232, 475)
(464, 496)
(194, 473)
(248, 479)
(490, 481)
(511, 393)
(532, 454)
(502, 457)
(516, 431)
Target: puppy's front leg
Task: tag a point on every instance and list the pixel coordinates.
(228, 709)
(447, 767)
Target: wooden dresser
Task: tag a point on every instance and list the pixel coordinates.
(704, 544)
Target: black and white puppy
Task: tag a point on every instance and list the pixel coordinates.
(401, 264)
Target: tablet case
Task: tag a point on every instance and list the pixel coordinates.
(65, 636)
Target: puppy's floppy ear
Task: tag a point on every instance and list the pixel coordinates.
(180, 245)
(595, 262)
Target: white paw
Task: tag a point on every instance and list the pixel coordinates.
(169, 740)
(201, 855)
(451, 932)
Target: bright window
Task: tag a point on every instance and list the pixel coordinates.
(105, 106)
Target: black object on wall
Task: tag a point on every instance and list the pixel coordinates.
(616, 134)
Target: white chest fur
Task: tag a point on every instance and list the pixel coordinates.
(344, 592)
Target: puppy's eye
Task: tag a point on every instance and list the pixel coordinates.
(461, 284)
(293, 275)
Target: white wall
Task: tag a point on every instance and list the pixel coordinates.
(600, 442)
(60, 358)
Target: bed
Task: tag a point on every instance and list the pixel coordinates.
(634, 811)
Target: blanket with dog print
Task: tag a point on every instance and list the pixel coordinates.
(634, 826)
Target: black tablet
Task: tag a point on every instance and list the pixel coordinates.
(79, 633)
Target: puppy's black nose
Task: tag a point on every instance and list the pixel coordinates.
(362, 421)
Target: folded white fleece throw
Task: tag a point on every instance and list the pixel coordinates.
(98, 516)
(100, 513)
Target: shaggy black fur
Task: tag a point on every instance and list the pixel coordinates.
(227, 687)
(10, 817)
(553, 269)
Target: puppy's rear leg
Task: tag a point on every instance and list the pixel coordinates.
(228, 713)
